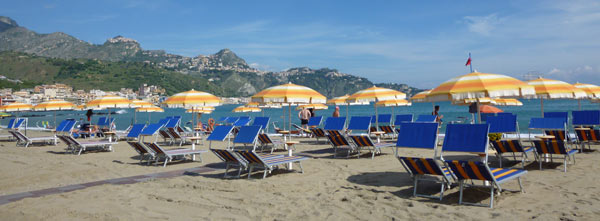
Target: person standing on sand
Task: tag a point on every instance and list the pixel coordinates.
(336, 113)
(89, 114)
(436, 112)
(304, 115)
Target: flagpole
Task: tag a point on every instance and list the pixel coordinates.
(471, 62)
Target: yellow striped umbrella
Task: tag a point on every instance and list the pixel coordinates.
(16, 107)
(140, 103)
(507, 102)
(290, 94)
(54, 105)
(313, 106)
(593, 91)
(555, 89)
(394, 103)
(149, 109)
(479, 85)
(469, 101)
(252, 104)
(343, 100)
(375, 94)
(244, 109)
(109, 101)
(195, 110)
(420, 97)
(192, 99)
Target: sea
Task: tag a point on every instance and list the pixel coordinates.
(452, 113)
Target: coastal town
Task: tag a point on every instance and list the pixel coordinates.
(40, 93)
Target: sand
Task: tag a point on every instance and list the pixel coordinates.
(330, 189)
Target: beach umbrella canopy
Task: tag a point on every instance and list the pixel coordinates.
(469, 101)
(289, 94)
(555, 89)
(313, 106)
(192, 99)
(195, 110)
(592, 91)
(109, 101)
(480, 85)
(54, 105)
(244, 109)
(420, 97)
(252, 104)
(393, 103)
(16, 107)
(507, 102)
(376, 94)
(149, 109)
(489, 109)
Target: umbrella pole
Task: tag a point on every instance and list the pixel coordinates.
(347, 114)
(149, 120)
(290, 119)
(54, 119)
(134, 117)
(478, 113)
(376, 117)
(579, 103)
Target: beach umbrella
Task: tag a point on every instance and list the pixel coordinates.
(193, 99)
(108, 102)
(244, 109)
(149, 110)
(480, 85)
(289, 94)
(375, 94)
(54, 105)
(139, 103)
(592, 91)
(555, 89)
(420, 97)
(507, 102)
(489, 109)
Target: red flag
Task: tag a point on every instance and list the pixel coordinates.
(468, 62)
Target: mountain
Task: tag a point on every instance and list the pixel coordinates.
(121, 62)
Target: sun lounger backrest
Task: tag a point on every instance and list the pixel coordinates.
(338, 141)
(249, 156)
(507, 146)
(137, 147)
(163, 121)
(384, 118)
(155, 148)
(485, 116)
(11, 124)
(586, 117)
(19, 123)
(242, 122)
(220, 133)
(362, 141)
(504, 114)
(263, 122)
(359, 123)
(173, 122)
(62, 125)
(151, 129)
(315, 121)
(222, 119)
(334, 123)
(563, 115)
(547, 123)
(502, 124)
(418, 135)
(247, 135)
(225, 155)
(425, 118)
(264, 139)
(135, 130)
(403, 118)
(419, 166)
(70, 125)
(231, 120)
(472, 138)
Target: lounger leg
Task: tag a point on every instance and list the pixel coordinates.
(442, 191)
(226, 169)
(461, 184)
(520, 185)
(540, 163)
(416, 183)
(492, 198)
(565, 163)
(250, 170)
(265, 173)
(166, 160)
(300, 165)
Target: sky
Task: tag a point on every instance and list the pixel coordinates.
(419, 43)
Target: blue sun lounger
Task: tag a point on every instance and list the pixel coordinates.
(335, 125)
(473, 138)
(401, 118)
(220, 133)
(263, 122)
(135, 131)
(247, 136)
(266, 141)
(315, 121)
(256, 161)
(556, 127)
(365, 142)
(554, 147)
(583, 123)
(423, 136)
(507, 124)
(359, 124)
(242, 122)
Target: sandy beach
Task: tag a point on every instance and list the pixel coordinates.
(330, 189)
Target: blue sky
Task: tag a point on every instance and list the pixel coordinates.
(421, 44)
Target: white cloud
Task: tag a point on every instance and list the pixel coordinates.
(482, 25)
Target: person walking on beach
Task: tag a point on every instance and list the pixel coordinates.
(89, 114)
(436, 112)
(336, 113)
(304, 115)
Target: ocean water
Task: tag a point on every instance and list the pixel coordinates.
(125, 117)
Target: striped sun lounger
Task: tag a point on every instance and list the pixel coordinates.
(471, 170)
(233, 161)
(365, 142)
(170, 155)
(254, 160)
(553, 147)
(339, 142)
